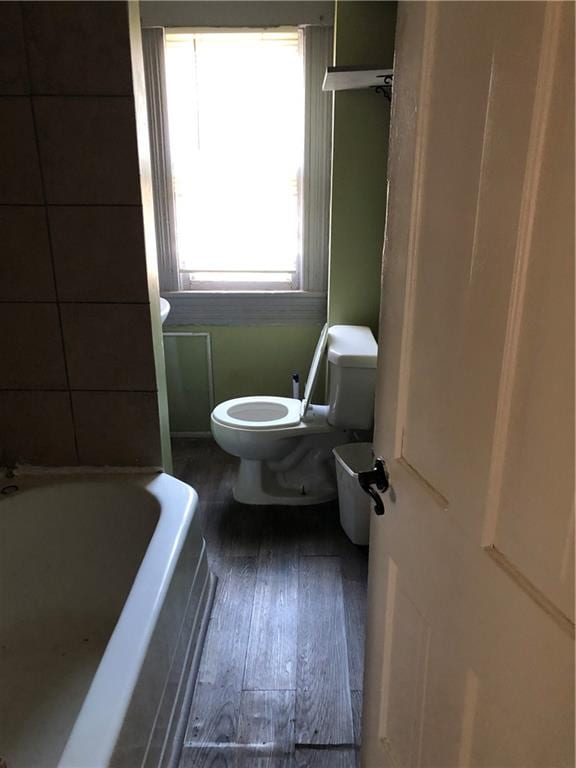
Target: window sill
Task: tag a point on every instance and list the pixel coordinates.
(246, 308)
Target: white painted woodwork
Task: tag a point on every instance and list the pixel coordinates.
(247, 308)
(163, 196)
(318, 52)
(226, 307)
(470, 642)
(353, 78)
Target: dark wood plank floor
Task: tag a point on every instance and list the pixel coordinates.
(280, 680)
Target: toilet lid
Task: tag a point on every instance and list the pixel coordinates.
(314, 369)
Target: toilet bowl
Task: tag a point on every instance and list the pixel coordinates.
(285, 464)
(284, 444)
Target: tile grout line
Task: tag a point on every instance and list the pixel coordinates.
(49, 233)
(74, 301)
(67, 205)
(129, 96)
(78, 389)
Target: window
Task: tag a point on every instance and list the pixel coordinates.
(240, 145)
(236, 128)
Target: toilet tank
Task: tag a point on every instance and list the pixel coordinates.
(352, 352)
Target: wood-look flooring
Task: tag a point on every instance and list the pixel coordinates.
(280, 679)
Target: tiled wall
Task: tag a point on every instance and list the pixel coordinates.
(77, 376)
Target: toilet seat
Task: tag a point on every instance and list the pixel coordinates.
(262, 412)
(259, 412)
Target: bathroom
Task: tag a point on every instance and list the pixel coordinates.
(160, 606)
(85, 382)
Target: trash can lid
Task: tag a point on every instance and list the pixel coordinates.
(354, 457)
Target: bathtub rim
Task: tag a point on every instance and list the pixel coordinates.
(99, 721)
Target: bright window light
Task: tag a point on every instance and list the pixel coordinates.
(236, 123)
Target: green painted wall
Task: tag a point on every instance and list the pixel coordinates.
(364, 36)
(247, 360)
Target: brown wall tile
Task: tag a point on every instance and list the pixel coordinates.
(99, 253)
(117, 428)
(37, 428)
(88, 150)
(13, 67)
(109, 346)
(19, 167)
(78, 48)
(72, 145)
(25, 264)
(31, 344)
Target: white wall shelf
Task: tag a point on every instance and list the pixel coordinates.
(354, 78)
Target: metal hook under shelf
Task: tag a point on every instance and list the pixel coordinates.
(385, 89)
(385, 86)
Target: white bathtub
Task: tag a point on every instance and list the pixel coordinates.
(104, 598)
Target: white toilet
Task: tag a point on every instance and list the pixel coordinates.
(285, 445)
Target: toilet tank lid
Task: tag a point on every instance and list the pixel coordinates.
(352, 346)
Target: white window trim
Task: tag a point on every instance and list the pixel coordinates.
(232, 307)
(317, 160)
(161, 166)
(246, 308)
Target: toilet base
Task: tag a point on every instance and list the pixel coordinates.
(261, 483)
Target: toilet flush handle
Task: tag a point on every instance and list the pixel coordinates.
(379, 477)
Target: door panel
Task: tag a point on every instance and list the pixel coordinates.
(405, 655)
(472, 192)
(539, 441)
(470, 631)
(486, 635)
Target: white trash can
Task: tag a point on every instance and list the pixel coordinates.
(354, 503)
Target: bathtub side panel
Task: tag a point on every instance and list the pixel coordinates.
(184, 667)
(162, 668)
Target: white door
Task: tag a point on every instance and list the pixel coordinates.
(470, 623)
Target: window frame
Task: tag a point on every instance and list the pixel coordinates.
(310, 282)
(237, 286)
